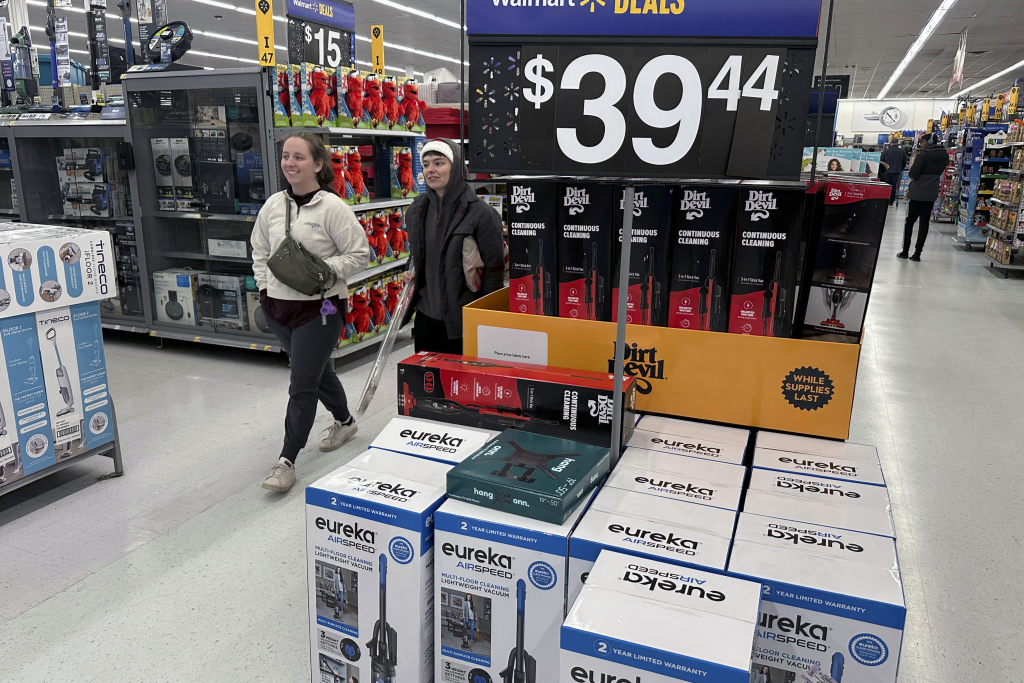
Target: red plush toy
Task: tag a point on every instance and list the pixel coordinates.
(394, 289)
(361, 314)
(405, 170)
(380, 240)
(372, 100)
(364, 221)
(354, 97)
(282, 89)
(390, 94)
(338, 166)
(377, 307)
(396, 236)
(322, 102)
(354, 172)
(411, 104)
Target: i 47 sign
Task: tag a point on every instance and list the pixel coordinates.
(704, 101)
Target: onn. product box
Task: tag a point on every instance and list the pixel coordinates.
(369, 556)
(831, 598)
(499, 593)
(430, 439)
(44, 267)
(646, 621)
(650, 527)
(532, 475)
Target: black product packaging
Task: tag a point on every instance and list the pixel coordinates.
(703, 223)
(532, 248)
(568, 404)
(647, 302)
(847, 234)
(585, 251)
(763, 297)
(217, 186)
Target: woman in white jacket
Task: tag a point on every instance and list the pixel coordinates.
(308, 328)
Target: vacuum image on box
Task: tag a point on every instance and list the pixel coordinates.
(522, 668)
(383, 646)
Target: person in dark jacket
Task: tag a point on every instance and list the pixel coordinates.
(925, 177)
(895, 159)
(450, 231)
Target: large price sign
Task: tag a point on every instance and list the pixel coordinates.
(320, 32)
(641, 107)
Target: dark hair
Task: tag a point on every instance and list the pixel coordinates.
(839, 166)
(325, 176)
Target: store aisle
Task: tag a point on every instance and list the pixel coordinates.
(185, 569)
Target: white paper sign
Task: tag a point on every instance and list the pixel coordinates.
(502, 343)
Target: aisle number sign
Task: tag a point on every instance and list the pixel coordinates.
(377, 48)
(265, 32)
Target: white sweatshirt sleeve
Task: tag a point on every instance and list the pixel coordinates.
(260, 240)
(354, 251)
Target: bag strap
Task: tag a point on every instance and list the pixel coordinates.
(287, 217)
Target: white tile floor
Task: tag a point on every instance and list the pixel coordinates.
(186, 570)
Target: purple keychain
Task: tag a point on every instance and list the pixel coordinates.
(327, 308)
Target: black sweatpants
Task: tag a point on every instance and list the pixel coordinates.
(922, 212)
(894, 181)
(309, 347)
(430, 334)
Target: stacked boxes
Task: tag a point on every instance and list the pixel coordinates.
(648, 283)
(406, 170)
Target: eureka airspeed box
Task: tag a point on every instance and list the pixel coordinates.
(530, 475)
(763, 297)
(533, 248)
(647, 303)
(585, 251)
(568, 404)
(703, 222)
(431, 440)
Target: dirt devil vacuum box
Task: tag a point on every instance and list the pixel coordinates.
(703, 222)
(817, 500)
(499, 594)
(642, 621)
(432, 440)
(830, 598)
(694, 439)
(567, 404)
(585, 251)
(649, 527)
(533, 248)
(767, 250)
(529, 474)
(369, 556)
(647, 303)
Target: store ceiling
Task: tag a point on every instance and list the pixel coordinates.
(869, 39)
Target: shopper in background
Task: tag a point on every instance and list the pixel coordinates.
(925, 177)
(762, 675)
(308, 327)
(469, 616)
(895, 159)
(451, 233)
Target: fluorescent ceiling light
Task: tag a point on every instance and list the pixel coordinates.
(922, 38)
(991, 78)
(419, 13)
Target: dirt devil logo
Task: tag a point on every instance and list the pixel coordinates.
(759, 204)
(639, 203)
(522, 197)
(576, 198)
(694, 203)
(642, 364)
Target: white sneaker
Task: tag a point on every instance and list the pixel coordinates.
(337, 434)
(281, 478)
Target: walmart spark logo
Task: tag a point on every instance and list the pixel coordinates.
(592, 3)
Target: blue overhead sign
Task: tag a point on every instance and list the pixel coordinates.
(327, 12)
(684, 18)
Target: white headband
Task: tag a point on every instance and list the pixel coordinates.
(439, 147)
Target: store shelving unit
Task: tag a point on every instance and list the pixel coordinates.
(968, 231)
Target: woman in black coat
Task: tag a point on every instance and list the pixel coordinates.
(925, 179)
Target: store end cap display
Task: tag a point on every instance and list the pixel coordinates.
(647, 526)
(695, 439)
(369, 564)
(45, 267)
(560, 402)
(619, 622)
(810, 446)
(844, 585)
(528, 474)
(819, 466)
(720, 488)
(430, 439)
(511, 572)
(817, 500)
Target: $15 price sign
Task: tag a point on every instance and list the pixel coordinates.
(673, 111)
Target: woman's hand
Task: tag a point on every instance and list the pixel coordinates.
(409, 276)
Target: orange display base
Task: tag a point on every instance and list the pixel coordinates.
(788, 385)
